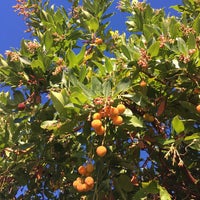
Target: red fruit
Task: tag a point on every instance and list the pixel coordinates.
(21, 106)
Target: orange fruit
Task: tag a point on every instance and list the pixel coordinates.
(96, 123)
(89, 180)
(98, 41)
(81, 187)
(121, 108)
(89, 167)
(100, 131)
(89, 187)
(114, 111)
(101, 151)
(143, 84)
(117, 120)
(76, 182)
(198, 108)
(96, 116)
(105, 112)
(196, 90)
(82, 170)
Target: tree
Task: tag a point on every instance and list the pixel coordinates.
(94, 114)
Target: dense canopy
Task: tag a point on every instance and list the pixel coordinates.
(89, 113)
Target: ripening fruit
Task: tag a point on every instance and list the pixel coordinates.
(198, 108)
(100, 131)
(98, 41)
(148, 117)
(21, 106)
(101, 151)
(89, 167)
(75, 183)
(82, 170)
(89, 180)
(143, 83)
(96, 124)
(121, 108)
(96, 116)
(117, 120)
(89, 187)
(81, 187)
(196, 90)
(113, 112)
(105, 112)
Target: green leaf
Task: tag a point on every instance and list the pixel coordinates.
(38, 64)
(93, 24)
(148, 188)
(100, 66)
(59, 100)
(96, 86)
(107, 88)
(125, 51)
(125, 183)
(195, 144)
(118, 188)
(182, 47)
(24, 61)
(4, 97)
(164, 141)
(74, 59)
(192, 137)
(108, 65)
(164, 195)
(78, 84)
(136, 122)
(80, 55)
(71, 56)
(18, 96)
(191, 41)
(49, 125)
(48, 40)
(123, 85)
(196, 24)
(178, 124)
(154, 49)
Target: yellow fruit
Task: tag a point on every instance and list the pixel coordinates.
(117, 120)
(101, 151)
(89, 168)
(89, 181)
(96, 116)
(121, 108)
(113, 112)
(82, 170)
(198, 108)
(100, 131)
(96, 124)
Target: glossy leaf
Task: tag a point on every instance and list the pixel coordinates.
(177, 124)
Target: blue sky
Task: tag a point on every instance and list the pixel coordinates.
(12, 26)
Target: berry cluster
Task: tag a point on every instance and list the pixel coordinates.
(86, 181)
(113, 113)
